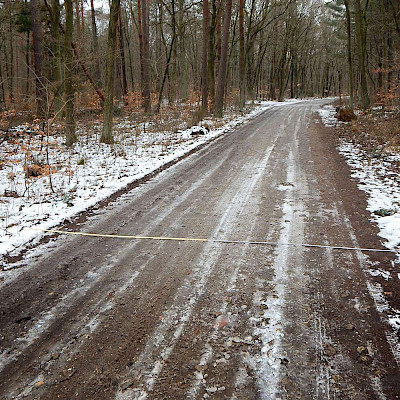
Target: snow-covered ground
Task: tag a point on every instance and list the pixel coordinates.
(381, 184)
(377, 180)
(85, 174)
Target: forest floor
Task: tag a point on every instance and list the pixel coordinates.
(44, 184)
(100, 317)
(371, 147)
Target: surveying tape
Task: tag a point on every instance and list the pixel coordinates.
(183, 239)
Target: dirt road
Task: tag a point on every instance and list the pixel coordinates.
(101, 318)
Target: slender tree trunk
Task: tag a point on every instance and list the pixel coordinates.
(56, 59)
(390, 60)
(211, 52)
(95, 44)
(169, 57)
(204, 65)
(128, 46)
(70, 135)
(11, 39)
(107, 135)
(82, 17)
(140, 34)
(78, 18)
(218, 31)
(3, 94)
(28, 64)
(349, 55)
(37, 36)
(242, 57)
(124, 82)
(219, 96)
(146, 56)
(181, 48)
(362, 50)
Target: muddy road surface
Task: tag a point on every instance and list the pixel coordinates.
(109, 318)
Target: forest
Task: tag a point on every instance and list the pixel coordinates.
(60, 61)
(199, 199)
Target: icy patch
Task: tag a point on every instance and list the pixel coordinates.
(269, 327)
(327, 114)
(393, 317)
(379, 272)
(394, 321)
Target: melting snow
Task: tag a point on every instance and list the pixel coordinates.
(85, 174)
(377, 180)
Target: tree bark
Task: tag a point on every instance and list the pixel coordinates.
(70, 135)
(56, 59)
(37, 36)
(107, 135)
(95, 43)
(146, 56)
(171, 49)
(362, 50)
(204, 65)
(219, 96)
(349, 55)
(124, 82)
(140, 34)
(242, 59)
(212, 52)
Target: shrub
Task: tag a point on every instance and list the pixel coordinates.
(346, 115)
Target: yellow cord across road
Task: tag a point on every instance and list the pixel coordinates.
(184, 239)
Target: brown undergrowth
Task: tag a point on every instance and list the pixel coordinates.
(376, 131)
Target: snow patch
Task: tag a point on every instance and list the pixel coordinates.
(381, 184)
(327, 114)
(88, 172)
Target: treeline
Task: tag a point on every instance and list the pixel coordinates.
(60, 57)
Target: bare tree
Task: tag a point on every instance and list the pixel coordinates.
(56, 56)
(242, 57)
(204, 65)
(37, 37)
(219, 95)
(362, 51)
(70, 135)
(107, 135)
(349, 52)
(95, 42)
(145, 55)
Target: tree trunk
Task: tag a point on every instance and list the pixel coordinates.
(242, 59)
(204, 66)
(78, 18)
(28, 64)
(181, 47)
(11, 51)
(145, 56)
(95, 44)
(124, 82)
(37, 36)
(349, 55)
(362, 50)
(56, 59)
(140, 34)
(219, 96)
(131, 80)
(169, 57)
(211, 52)
(107, 135)
(70, 135)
